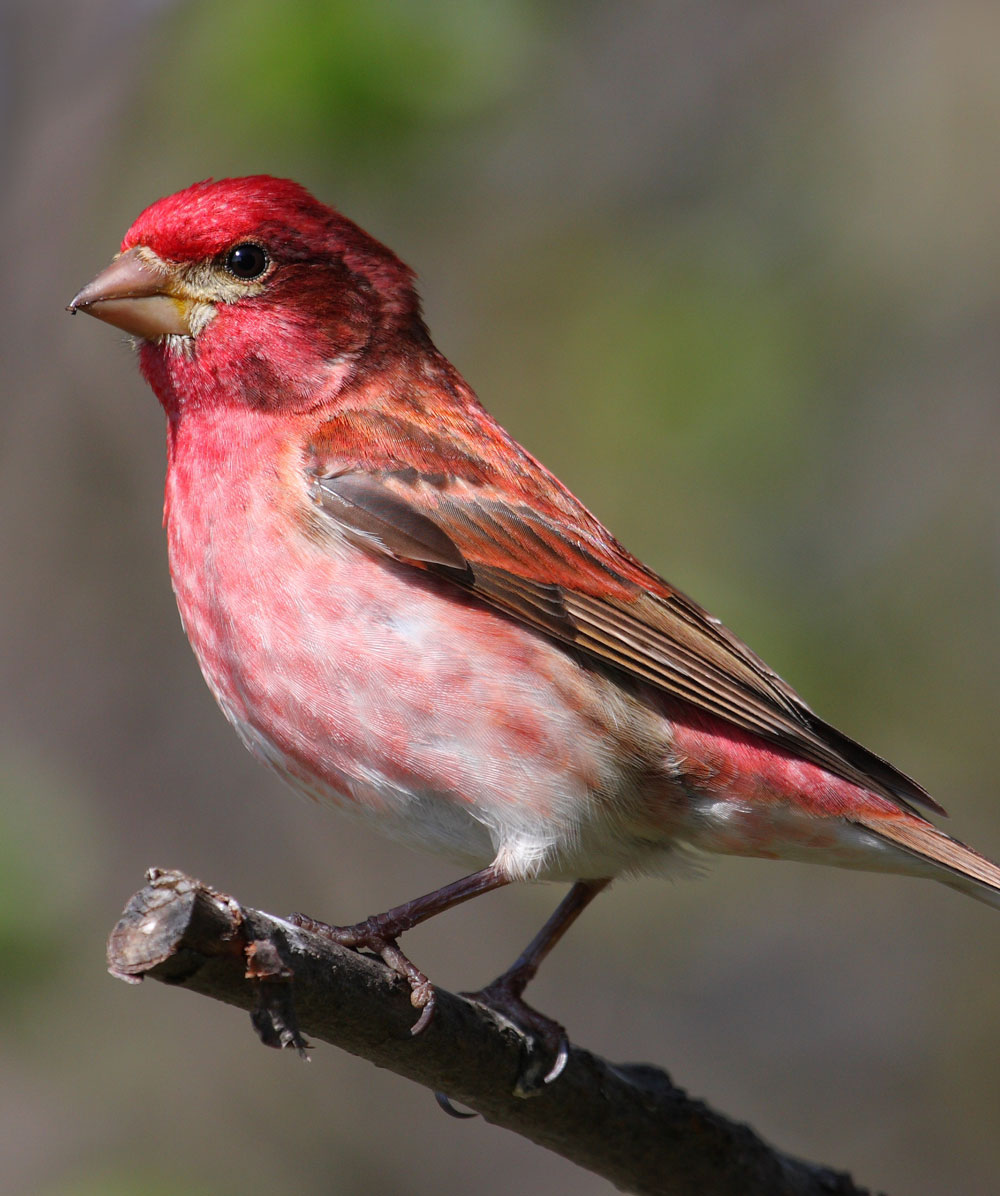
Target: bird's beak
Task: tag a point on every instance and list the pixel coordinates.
(134, 294)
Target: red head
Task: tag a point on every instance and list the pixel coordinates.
(250, 291)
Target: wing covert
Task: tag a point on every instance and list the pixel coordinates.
(584, 589)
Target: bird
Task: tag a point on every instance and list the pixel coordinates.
(406, 616)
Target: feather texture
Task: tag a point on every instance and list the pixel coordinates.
(609, 606)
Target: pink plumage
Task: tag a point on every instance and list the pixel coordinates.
(406, 615)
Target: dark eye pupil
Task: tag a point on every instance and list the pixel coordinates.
(246, 261)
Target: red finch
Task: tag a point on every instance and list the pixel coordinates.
(406, 615)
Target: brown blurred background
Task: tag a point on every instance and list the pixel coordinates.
(732, 271)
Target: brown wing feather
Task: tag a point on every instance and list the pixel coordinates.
(926, 842)
(587, 591)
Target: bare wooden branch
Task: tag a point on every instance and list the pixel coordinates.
(626, 1122)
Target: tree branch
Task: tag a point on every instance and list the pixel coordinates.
(626, 1122)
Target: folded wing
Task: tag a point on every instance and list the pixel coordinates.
(570, 579)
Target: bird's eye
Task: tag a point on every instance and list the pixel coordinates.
(247, 261)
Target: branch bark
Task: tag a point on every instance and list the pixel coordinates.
(626, 1122)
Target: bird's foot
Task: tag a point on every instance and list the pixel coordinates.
(375, 936)
(380, 932)
(547, 1043)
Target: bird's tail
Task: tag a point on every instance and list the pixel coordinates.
(944, 858)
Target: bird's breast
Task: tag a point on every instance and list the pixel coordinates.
(388, 691)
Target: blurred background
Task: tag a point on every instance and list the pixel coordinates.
(732, 271)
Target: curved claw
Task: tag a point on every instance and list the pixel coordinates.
(445, 1102)
(562, 1058)
(530, 1082)
(365, 936)
(426, 1013)
(545, 1039)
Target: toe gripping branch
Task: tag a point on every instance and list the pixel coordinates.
(546, 1041)
(378, 935)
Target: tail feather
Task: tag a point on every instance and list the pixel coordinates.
(950, 861)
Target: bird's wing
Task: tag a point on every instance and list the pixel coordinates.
(569, 578)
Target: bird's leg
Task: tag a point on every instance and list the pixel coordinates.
(505, 993)
(378, 933)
